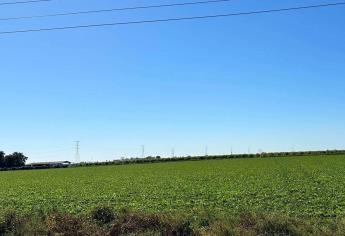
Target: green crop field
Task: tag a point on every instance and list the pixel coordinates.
(300, 186)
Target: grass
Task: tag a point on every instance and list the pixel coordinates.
(294, 186)
(128, 223)
(256, 196)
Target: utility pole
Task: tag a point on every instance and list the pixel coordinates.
(142, 151)
(206, 150)
(173, 152)
(77, 155)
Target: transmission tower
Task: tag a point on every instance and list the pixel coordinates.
(77, 155)
(173, 152)
(142, 151)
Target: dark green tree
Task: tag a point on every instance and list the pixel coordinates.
(15, 159)
(2, 159)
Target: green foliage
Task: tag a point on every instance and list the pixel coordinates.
(158, 159)
(297, 186)
(103, 215)
(135, 224)
(13, 160)
(2, 159)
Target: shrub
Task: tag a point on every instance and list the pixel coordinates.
(71, 225)
(103, 215)
(130, 223)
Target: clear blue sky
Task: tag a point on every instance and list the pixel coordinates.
(274, 82)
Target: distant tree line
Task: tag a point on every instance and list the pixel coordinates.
(16, 161)
(13, 160)
(158, 159)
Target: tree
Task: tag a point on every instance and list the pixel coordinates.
(15, 159)
(2, 159)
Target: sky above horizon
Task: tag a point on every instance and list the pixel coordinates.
(270, 82)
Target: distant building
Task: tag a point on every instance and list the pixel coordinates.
(50, 164)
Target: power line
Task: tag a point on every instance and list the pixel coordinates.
(23, 2)
(173, 19)
(115, 9)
